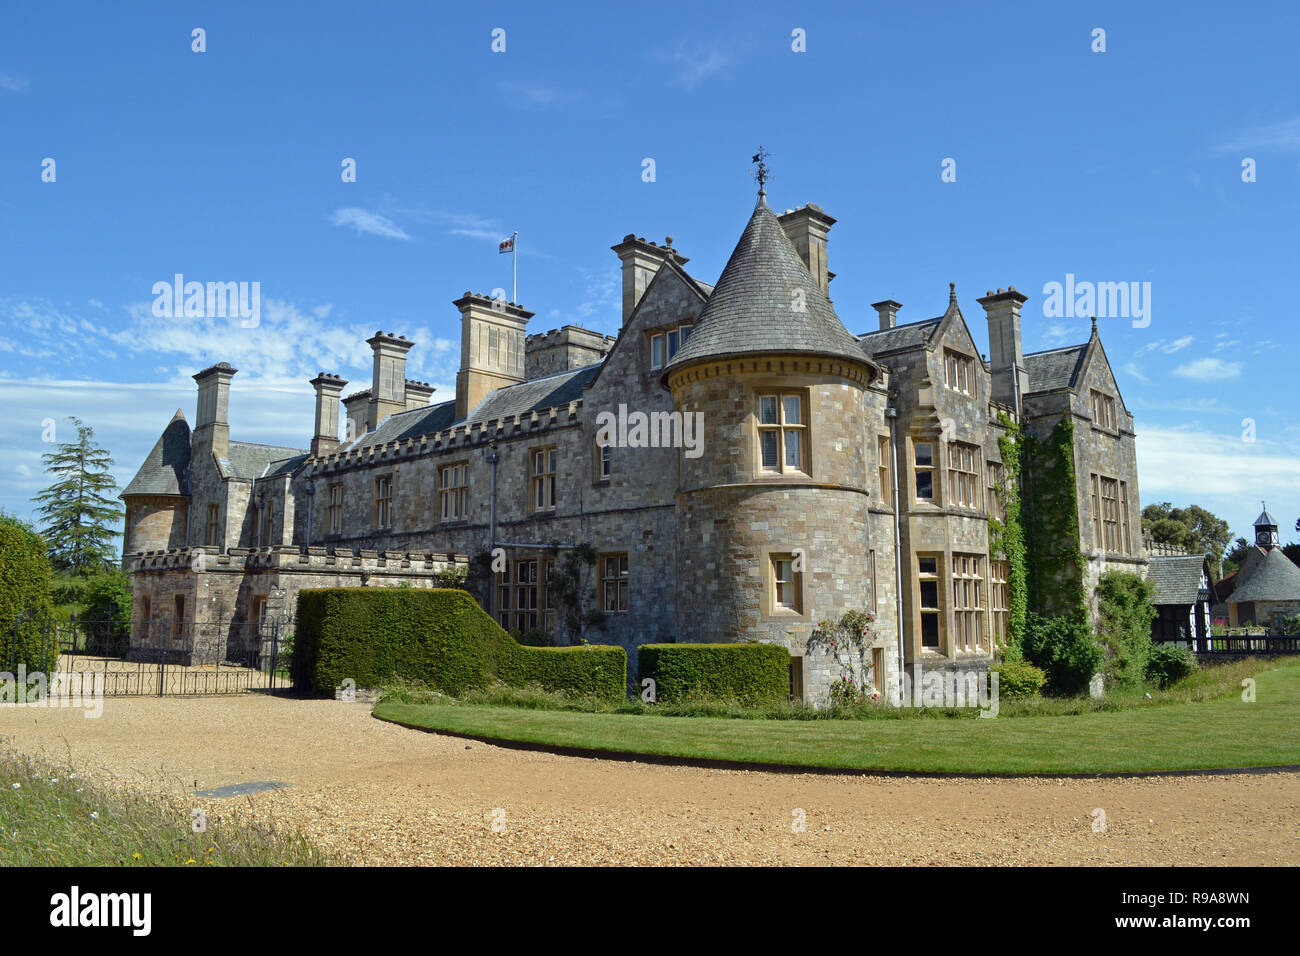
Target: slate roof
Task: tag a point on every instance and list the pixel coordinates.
(249, 460)
(285, 466)
(1265, 520)
(1177, 578)
(909, 336)
(1275, 578)
(750, 308)
(559, 388)
(166, 468)
(1054, 368)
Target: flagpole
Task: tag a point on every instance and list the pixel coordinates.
(514, 264)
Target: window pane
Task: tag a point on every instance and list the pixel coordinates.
(793, 409)
(930, 594)
(656, 350)
(768, 441)
(672, 343)
(793, 450)
(929, 630)
(924, 454)
(928, 565)
(925, 484)
(767, 410)
(686, 333)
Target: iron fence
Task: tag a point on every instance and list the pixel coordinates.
(153, 658)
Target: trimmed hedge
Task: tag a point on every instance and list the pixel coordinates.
(746, 673)
(25, 578)
(440, 638)
(1168, 663)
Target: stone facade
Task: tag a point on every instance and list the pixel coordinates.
(875, 495)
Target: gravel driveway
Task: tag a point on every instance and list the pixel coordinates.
(382, 794)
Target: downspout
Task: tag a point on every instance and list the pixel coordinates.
(311, 496)
(891, 413)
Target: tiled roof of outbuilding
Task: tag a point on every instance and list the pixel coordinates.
(755, 307)
(1275, 578)
(1177, 578)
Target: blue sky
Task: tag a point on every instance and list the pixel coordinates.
(1115, 166)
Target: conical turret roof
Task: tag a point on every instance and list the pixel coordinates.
(767, 301)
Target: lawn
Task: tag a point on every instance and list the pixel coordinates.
(1207, 734)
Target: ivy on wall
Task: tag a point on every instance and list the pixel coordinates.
(1007, 538)
(1051, 524)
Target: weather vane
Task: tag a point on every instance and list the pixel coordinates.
(761, 173)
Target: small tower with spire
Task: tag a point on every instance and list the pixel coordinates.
(1266, 530)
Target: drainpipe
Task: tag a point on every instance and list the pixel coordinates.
(891, 413)
(492, 459)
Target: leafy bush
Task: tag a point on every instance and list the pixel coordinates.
(25, 578)
(1064, 649)
(1168, 663)
(745, 673)
(107, 601)
(1019, 678)
(1125, 613)
(440, 638)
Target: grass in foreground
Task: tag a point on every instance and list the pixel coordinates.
(50, 817)
(1210, 726)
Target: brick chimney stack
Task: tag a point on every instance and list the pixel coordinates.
(492, 334)
(212, 422)
(641, 260)
(1006, 356)
(326, 439)
(388, 387)
(808, 229)
(888, 311)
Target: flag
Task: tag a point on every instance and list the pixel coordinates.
(506, 245)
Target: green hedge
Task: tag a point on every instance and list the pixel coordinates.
(25, 578)
(1019, 679)
(746, 673)
(440, 638)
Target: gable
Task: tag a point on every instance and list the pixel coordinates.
(672, 298)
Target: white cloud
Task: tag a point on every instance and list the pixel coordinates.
(13, 84)
(367, 222)
(1284, 136)
(1209, 369)
(1131, 368)
(536, 95)
(1173, 465)
(1177, 345)
(696, 63)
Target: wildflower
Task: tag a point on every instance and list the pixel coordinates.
(94, 814)
(135, 856)
(190, 860)
(18, 786)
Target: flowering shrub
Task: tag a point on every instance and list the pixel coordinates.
(849, 640)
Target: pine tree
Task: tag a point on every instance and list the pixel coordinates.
(79, 514)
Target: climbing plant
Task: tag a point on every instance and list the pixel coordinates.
(1007, 537)
(1051, 524)
(574, 591)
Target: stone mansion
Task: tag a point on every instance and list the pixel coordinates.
(833, 470)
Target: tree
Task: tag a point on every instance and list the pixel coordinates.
(79, 514)
(1192, 528)
(1232, 560)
